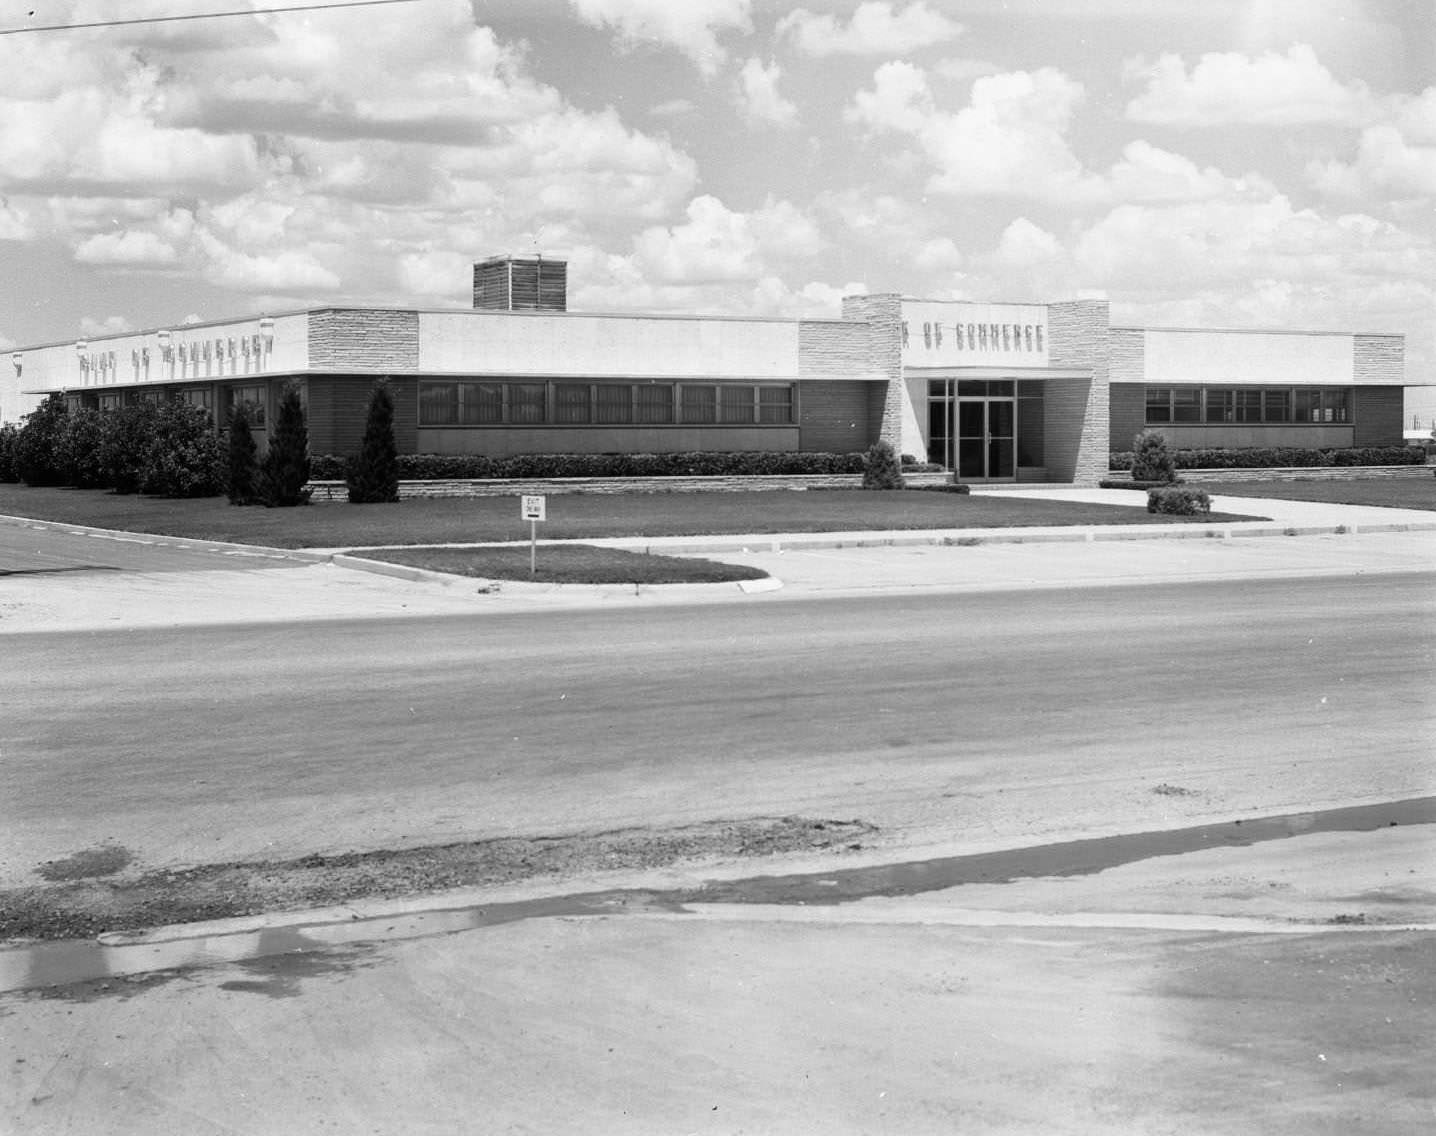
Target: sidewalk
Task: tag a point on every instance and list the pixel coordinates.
(1299, 539)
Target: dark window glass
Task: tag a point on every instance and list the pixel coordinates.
(736, 404)
(654, 402)
(1187, 404)
(254, 401)
(1159, 404)
(1221, 406)
(571, 403)
(482, 404)
(438, 404)
(528, 403)
(1248, 406)
(775, 404)
(1336, 404)
(700, 403)
(613, 404)
(972, 387)
(1276, 406)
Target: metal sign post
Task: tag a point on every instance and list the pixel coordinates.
(533, 509)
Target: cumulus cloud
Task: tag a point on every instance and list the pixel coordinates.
(1228, 88)
(876, 28)
(1147, 173)
(758, 97)
(128, 248)
(110, 325)
(1008, 141)
(1386, 166)
(716, 244)
(692, 26)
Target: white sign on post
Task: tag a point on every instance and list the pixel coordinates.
(534, 508)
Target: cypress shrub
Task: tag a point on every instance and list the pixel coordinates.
(242, 467)
(285, 470)
(881, 468)
(38, 455)
(1151, 460)
(373, 475)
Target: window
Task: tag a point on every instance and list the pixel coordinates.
(775, 405)
(1221, 406)
(254, 400)
(737, 404)
(195, 396)
(469, 402)
(1159, 404)
(1276, 406)
(613, 404)
(571, 403)
(655, 402)
(1248, 405)
(528, 403)
(110, 401)
(700, 403)
(1187, 404)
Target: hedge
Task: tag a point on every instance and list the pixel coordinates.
(1276, 457)
(444, 467)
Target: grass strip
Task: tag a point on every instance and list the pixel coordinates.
(565, 564)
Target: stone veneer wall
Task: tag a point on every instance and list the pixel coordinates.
(883, 315)
(1077, 424)
(368, 338)
(1379, 359)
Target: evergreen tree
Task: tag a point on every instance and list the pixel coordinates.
(882, 469)
(284, 474)
(373, 476)
(1151, 460)
(243, 467)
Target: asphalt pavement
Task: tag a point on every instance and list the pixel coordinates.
(1285, 988)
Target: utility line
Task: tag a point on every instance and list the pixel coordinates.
(204, 16)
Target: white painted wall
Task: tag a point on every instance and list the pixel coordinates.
(575, 344)
(58, 366)
(1256, 358)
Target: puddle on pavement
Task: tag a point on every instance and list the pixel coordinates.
(76, 962)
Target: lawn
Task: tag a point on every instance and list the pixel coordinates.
(566, 564)
(570, 516)
(1395, 493)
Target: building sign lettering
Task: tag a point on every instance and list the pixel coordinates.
(939, 333)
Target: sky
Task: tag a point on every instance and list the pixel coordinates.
(1198, 163)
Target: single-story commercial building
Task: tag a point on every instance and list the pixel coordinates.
(997, 391)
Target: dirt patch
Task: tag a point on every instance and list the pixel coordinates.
(89, 864)
(87, 906)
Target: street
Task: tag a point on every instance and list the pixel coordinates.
(968, 719)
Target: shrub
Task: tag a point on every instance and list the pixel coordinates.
(38, 459)
(81, 449)
(9, 434)
(437, 467)
(242, 464)
(1151, 460)
(285, 470)
(1271, 457)
(1179, 500)
(184, 454)
(127, 445)
(373, 475)
(881, 468)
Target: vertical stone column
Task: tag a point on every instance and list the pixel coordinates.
(1077, 410)
(883, 314)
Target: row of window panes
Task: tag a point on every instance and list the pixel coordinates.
(1272, 405)
(603, 404)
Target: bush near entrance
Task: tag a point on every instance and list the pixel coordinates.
(882, 469)
(1151, 460)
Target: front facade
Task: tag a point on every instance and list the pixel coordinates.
(997, 392)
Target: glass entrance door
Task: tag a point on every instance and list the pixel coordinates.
(986, 439)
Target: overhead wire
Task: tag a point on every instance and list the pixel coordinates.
(203, 16)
